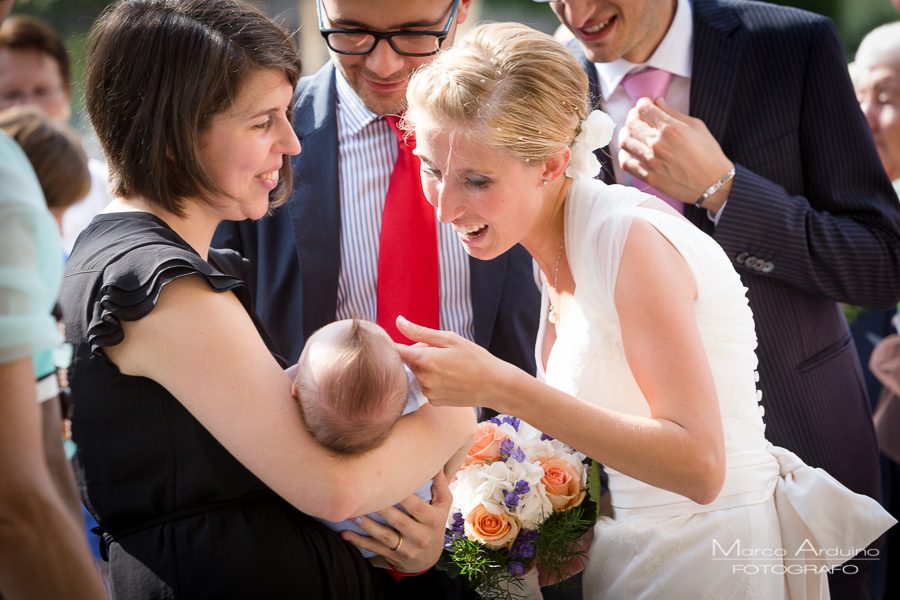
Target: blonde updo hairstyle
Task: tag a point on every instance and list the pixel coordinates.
(509, 86)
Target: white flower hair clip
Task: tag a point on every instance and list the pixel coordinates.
(596, 132)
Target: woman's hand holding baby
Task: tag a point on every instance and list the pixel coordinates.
(414, 541)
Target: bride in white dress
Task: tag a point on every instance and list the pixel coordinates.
(646, 348)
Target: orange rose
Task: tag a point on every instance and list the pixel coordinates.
(494, 531)
(486, 446)
(562, 480)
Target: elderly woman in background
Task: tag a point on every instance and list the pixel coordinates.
(876, 77)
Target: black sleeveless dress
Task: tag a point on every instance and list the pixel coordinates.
(187, 520)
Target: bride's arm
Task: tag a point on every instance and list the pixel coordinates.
(203, 348)
(679, 448)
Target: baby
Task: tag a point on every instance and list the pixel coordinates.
(352, 388)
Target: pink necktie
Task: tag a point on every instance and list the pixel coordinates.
(408, 280)
(650, 83)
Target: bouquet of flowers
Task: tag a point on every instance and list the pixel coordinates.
(519, 502)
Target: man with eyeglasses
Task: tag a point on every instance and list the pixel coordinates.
(779, 156)
(340, 248)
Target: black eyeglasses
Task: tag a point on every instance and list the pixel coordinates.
(405, 43)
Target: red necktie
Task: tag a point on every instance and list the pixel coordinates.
(650, 83)
(408, 281)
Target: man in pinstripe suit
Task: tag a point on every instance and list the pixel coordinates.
(316, 259)
(808, 217)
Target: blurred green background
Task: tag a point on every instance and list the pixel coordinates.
(73, 19)
(853, 17)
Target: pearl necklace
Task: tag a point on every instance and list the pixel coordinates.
(553, 317)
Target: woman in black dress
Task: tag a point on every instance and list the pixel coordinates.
(191, 452)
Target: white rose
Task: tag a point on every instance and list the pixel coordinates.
(596, 132)
(534, 507)
(553, 449)
(481, 484)
(528, 436)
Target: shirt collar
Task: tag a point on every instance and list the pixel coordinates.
(354, 114)
(673, 54)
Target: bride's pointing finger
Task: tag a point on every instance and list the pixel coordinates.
(420, 333)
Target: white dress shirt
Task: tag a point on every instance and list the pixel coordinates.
(674, 54)
(367, 150)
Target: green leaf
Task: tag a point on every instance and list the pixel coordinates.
(593, 482)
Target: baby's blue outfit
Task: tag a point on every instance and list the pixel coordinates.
(415, 400)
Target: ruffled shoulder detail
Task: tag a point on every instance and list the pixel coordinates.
(131, 283)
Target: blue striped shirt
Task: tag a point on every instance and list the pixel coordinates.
(367, 150)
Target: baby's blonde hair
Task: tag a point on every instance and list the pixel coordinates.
(510, 86)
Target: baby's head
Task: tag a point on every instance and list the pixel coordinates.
(351, 386)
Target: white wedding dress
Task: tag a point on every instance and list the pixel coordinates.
(756, 539)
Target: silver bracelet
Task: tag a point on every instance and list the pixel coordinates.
(715, 187)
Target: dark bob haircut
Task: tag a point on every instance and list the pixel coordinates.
(157, 72)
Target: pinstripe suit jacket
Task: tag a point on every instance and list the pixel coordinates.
(295, 254)
(811, 219)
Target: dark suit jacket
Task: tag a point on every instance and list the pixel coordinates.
(295, 254)
(811, 219)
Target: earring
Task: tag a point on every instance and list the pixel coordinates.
(546, 182)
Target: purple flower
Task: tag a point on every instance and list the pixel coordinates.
(526, 550)
(518, 455)
(516, 568)
(496, 421)
(530, 536)
(459, 523)
(523, 547)
(456, 530)
(511, 500)
(545, 437)
(449, 538)
(522, 487)
(507, 446)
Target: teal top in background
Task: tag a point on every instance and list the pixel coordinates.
(30, 264)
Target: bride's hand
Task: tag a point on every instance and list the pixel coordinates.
(453, 371)
(421, 531)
